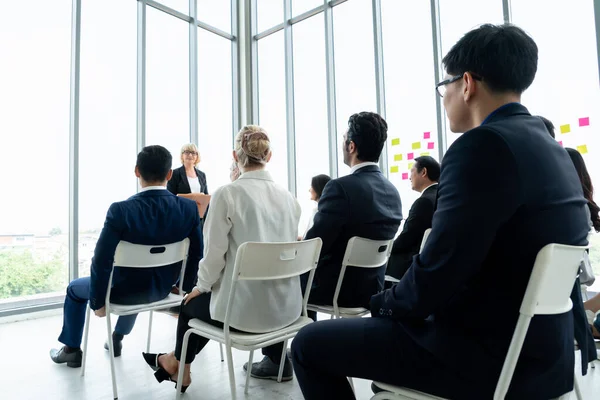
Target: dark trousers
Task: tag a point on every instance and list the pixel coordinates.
(78, 294)
(370, 348)
(199, 307)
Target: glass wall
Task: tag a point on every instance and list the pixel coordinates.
(34, 147)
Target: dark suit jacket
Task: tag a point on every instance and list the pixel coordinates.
(362, 204)
(506, 190)
(179, 182)
(408, 243)
(152, 217)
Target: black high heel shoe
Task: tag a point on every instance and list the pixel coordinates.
(159, 372)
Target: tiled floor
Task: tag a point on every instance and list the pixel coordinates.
(28, 373)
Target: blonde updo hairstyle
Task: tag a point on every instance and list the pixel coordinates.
(190, 147)
(252, 146)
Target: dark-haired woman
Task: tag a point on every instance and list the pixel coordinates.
(317, 185)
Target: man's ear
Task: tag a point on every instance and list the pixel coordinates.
(469, 86)
(169, 174)
(137, 172)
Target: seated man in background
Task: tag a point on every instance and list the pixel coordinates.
(424, 176)
(154, 216)
(363, 204)
(506, 190)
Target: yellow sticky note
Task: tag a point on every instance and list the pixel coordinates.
(565, 128)
(397, 157)
(582, 149)
(410, 165)
(425, 153)
(395, 142)
(416, 145)
(394, 169)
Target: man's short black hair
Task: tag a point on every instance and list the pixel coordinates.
(368, 131)
(433, 167)
(154, 163)
(549, 126)
(504, 56)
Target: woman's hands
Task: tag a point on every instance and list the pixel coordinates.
(194, 293)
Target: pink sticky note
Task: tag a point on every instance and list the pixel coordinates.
(560, 143)
(426, 135)
(404, 176)
(584, 121)
(430, 145)
(410, 156)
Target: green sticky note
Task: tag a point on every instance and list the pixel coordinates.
(416, 145)
(395, 142)
(394, 169)
(397, 157)
(565, 128)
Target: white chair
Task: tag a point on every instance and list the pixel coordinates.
(548, 292)
(360, 253)
(139, 256)
(259, 262)
(425, 236)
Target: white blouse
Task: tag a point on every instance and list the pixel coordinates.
(253, 208)
(194, 184)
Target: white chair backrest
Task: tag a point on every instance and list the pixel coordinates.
(269, 261)
(554, 272)
(548, 292)
(143, 256)
(367, 253)
(425, 237)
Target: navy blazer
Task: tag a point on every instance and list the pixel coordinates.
(178, 184)
(408, 243)
(362, 204)
(506, 190)
(152, 217)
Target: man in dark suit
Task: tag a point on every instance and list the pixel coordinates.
(152, 217)
(363, 204)
(424, 176)
(506, 190)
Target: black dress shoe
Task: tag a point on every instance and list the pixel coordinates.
(117, 347)
(72, 359)
(267, 369)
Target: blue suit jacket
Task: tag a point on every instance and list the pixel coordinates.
(362, 204)
(506, 190)
(152, 217)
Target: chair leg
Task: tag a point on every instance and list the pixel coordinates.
(576, 388)
(182, 362)
(221, 349)
(249, 371)
(282, 361)
(85, 338)
(149, 331)
(230, 368)
(112, 356)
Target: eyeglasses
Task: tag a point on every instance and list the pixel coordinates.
(190, 152)
(441, 87)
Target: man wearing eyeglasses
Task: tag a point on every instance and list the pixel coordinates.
(506, 190)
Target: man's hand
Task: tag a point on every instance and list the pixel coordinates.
(194, 293)
(101, 312)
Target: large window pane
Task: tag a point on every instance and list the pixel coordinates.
(271, 99)
(167, 82)
(215, 13)
(107, 137)
(566, 89)
(300, 6)
(214, 104)
(410, 94)
(269, 14)
(34, 147)
(310, 86)
(457, 18)
(354, 66)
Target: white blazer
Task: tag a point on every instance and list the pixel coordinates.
(251, 209)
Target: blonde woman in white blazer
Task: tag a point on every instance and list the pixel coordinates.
(252, 208)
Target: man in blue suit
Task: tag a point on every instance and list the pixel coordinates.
(154, 216)
(506, 190)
